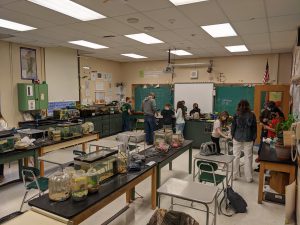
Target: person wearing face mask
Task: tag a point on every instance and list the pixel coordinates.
(126, 112)
(195, 110)
(217, 130)
(168, 115)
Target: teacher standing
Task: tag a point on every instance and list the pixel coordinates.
(149, 109)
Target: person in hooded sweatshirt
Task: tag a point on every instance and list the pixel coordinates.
(243, 131)
(149, 109)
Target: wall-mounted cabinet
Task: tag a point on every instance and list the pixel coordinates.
(32, 96)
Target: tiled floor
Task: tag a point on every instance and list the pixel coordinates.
(139, 212)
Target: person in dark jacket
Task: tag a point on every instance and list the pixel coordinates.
(244, 133)
(168, 115)
(149, 109)
(195, 110)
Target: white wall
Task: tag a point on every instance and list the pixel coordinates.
(61, 69)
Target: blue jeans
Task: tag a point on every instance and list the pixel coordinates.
(180, 128)
(126, 123)
(149, 126)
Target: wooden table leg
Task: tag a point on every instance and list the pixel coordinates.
(190, 159)
(128, 196)
(42, 166)
(292, 174)
(261, 182)
(84, 147)
(153, 189)
(25, 161)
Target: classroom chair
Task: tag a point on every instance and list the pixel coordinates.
(33, 181)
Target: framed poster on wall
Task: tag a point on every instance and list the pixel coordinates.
(28, 64)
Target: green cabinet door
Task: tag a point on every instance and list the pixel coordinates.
(26, 97)
(41, 96)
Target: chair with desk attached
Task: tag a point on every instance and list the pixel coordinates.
(33, 181)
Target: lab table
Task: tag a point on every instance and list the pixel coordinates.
(19, 155)
(110, 190)
(190, 191)
(270, 160)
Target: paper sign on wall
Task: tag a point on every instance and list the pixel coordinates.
(99, 86)
(31, 104)
(87, 88)
(42, 97)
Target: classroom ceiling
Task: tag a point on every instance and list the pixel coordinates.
(264, 26)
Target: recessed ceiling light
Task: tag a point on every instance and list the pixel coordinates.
(148, 28)
(87, 44)
(14, 26)
(237, 48)
(185, 2)
(220, 30)
(180, 52)
(144, 38)
(70, 8)
(135, 56)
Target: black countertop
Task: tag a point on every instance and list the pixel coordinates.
(153, 155)
(69, 208)
(268, 154)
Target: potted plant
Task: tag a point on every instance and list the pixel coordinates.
(283, 131)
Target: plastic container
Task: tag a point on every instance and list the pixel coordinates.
(164, 134)
(123, 162)
(93, 180)
(59, 187)
(177, 140)
(79, 186)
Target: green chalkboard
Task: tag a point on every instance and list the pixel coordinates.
(164, 94)
(227, 97)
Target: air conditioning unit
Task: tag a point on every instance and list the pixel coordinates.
(194, 74)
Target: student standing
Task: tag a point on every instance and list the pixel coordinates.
(126, 112)
(243, 132)
(3, 126)
(217, 129)
(149, 109)
(168, 115)
(195, 110)
(180, 115)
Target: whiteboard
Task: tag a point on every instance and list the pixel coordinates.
(201, 93)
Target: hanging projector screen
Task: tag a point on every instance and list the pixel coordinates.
(201, 93)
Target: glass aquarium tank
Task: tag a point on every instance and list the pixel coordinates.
(59, 187)
(69, 130)
(105, 162)
(177, 140)
(79, 185)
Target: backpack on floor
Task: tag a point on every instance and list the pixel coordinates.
(236, 201)
(208, 148)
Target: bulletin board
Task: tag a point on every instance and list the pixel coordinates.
(228, 97)
(164, 94)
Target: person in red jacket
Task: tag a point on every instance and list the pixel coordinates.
(271, 127)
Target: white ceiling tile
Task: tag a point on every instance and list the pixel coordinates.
(89, 29)
(36, 11)
(23, 18)
(108, 8)
(256, 38)
(255, 26)
(18, 39)
(144, 21)
(6, 2)
(281, 8)
(114, 26)
(283, 23)
(230, 41)
(147, 5)
(282, 45)
(166, 35)
(171, 18)
(286, 36)
(238, 10)
(259, 47)
(204, 13)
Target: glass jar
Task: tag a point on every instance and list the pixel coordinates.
(177, 140)
(59, 187)
(93, 180)
(122, 162)
(79, 185)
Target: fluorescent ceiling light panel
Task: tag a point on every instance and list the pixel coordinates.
(237, 48)
(70, 8)
(180, 52)
(135, 56)
(87, 44)
(15, 26)
(144, 38)
(185, 2)
(220, 30)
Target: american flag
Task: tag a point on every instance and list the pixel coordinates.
(266, 75)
